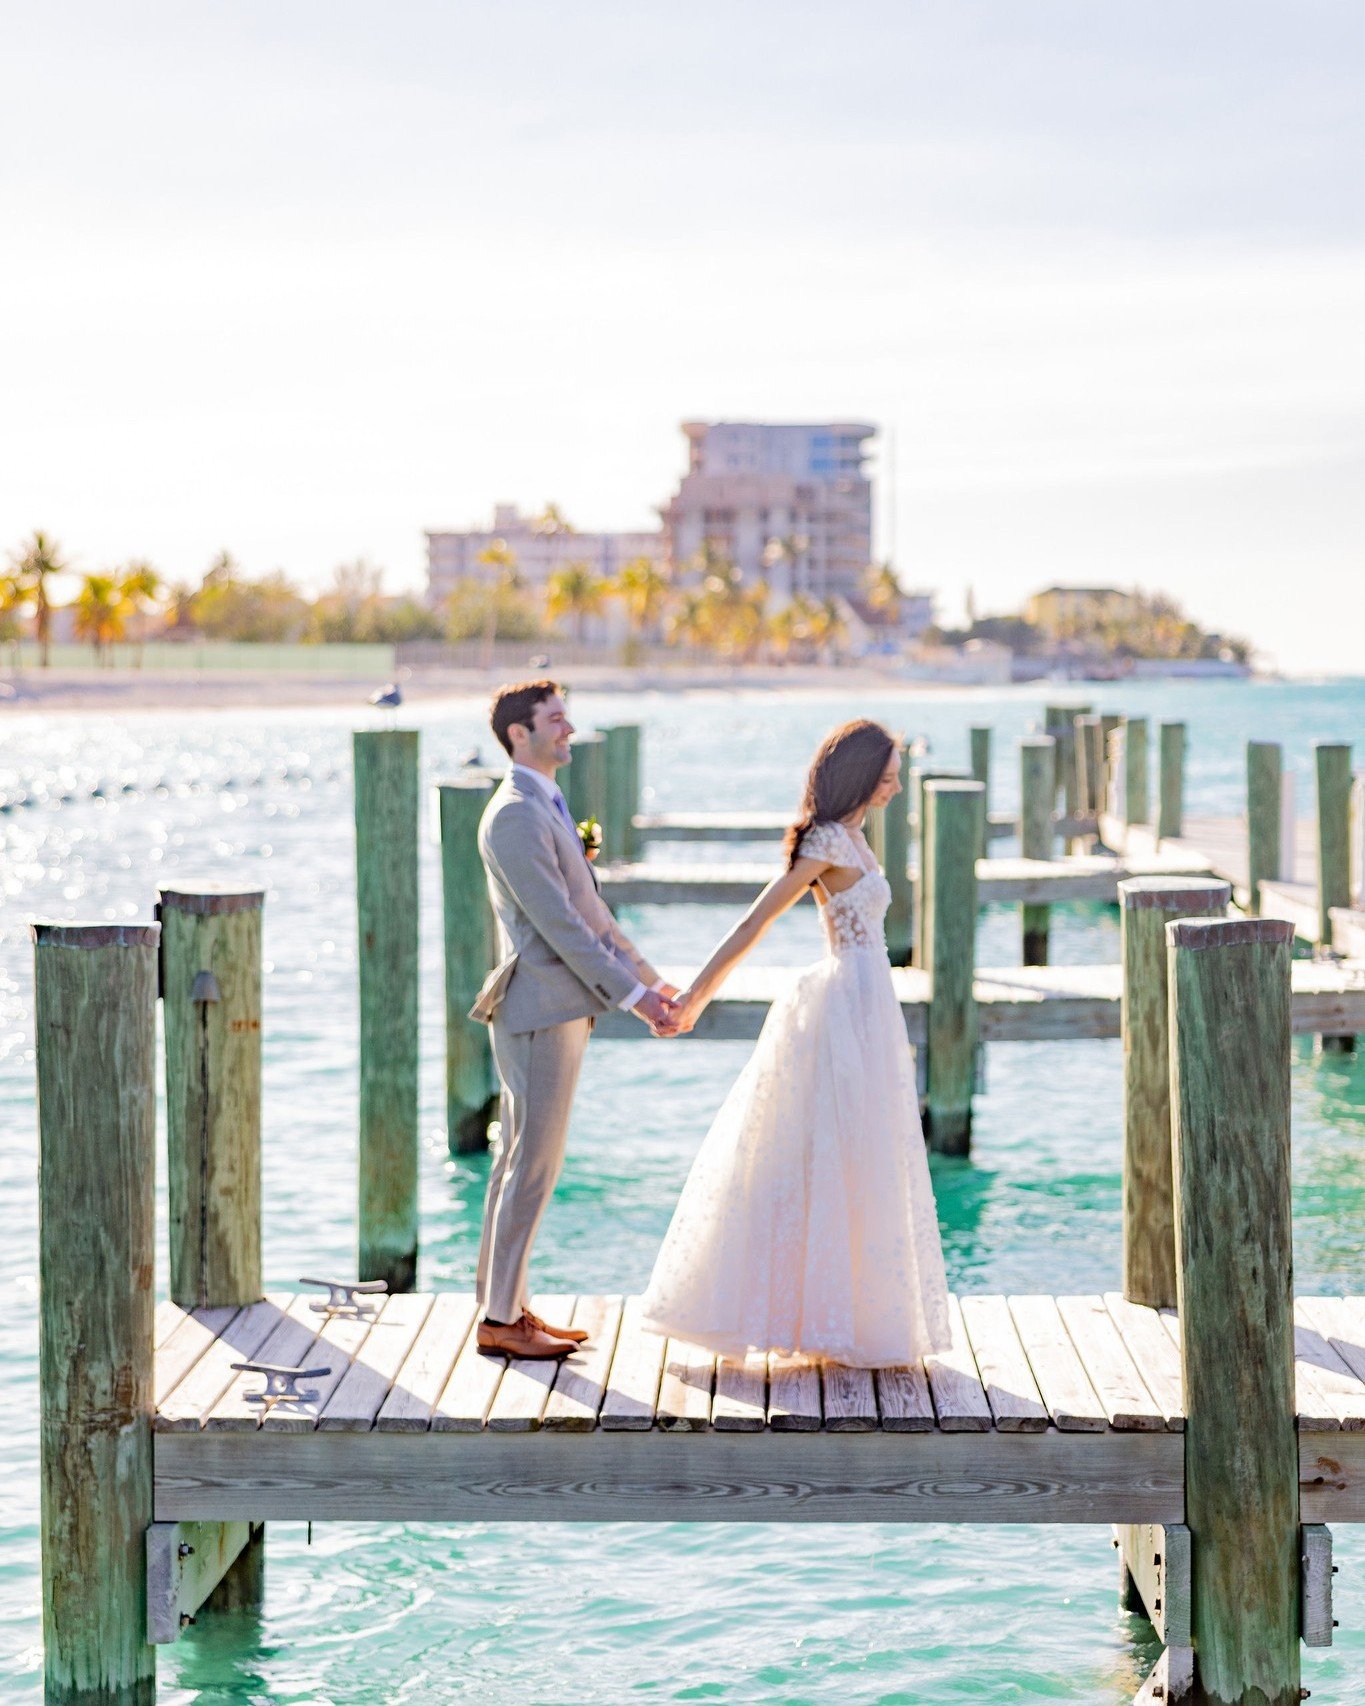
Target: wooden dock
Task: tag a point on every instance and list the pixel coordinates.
(771, 826)
(1000, 882)
(1064, 1409)
(1015, 1003)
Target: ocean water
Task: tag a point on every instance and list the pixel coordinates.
(866, 1615)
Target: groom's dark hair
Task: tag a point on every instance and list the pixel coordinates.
(517, 704)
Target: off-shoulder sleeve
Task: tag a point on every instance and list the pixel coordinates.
(826, 841)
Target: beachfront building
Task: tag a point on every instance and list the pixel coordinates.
(539, 543)
(1063, 612)
(789, 504)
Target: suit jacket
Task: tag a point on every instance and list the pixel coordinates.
(562, 954)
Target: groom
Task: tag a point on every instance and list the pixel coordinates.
(563, 960)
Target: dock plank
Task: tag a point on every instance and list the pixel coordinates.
(689, 1379)
(1109, 1366)
(1150, 1346)
(636, 1371)
(366, 1384)
(960, 1401)
(904, 1401)
(524, 1390)
(849, 1397)
(186, 1404)
(419, 1382)
(582, 1379)
(190, 1337)
(1011, 1390)
(740, 1404)
(793, 1394)
(1061, 1378)
(1326, 1385)
(464, 1401)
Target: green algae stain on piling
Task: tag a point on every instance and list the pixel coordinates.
(95, 1033)
(1229, 985)
(211, 999)
(386, 819)
(471, 1079)
(621, 784)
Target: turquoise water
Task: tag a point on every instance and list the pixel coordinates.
(864, 1614)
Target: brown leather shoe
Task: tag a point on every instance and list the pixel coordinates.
(521, 1339)
(575, 1335)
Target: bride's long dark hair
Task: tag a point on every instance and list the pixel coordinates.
(843, 777)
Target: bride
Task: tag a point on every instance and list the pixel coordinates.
(807, 1223)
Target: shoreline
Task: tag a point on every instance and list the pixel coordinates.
(37, 692)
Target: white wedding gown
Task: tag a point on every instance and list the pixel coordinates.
(807, 1223)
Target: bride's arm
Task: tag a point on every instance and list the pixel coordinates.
(782, 893)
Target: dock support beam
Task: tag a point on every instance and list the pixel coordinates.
(900, 916)
(1147, 905)
(95, 1029)
(1264, 782)
(386, 820)
(1230, 1043)
(1037, 800)
(953, 812)
(619, 834)
(585, 780)
(467, 918)
(979, 738)
(1170, 813)
(1333, 765)
(211, 1001)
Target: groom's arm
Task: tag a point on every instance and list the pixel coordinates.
(643, 970)
(520, 840)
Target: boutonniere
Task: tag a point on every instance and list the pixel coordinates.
(590, 834)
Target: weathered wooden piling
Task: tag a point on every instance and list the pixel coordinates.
(952, 811)
(921, 774)
(1037, 798)
(1090, 764)
(95, 1033)
(1264, 772)
(585, 781)
(211, 999)
(1136, 797)
(470, 937)
(1148, 904)
(900, 916)
(622, 758)
(1333, 766)
(1229, 985)
(979, 768)
(386, 820)
(1170, 813)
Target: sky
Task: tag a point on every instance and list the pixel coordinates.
(301, 280)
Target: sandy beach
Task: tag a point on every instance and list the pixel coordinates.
(36, 691)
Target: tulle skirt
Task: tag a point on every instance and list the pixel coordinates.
(807, 1223)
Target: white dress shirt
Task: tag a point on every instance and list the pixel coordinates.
(553, 793)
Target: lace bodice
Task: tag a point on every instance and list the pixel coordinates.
(856, 916)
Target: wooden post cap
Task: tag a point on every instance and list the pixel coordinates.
(103, 935)
(1047, 742)
(949, 785)
(477, 780)
(1169, 894)
(1197, 935)
(210, 901)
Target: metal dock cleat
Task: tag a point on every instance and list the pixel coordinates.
(347, 1297)
(281, 1383)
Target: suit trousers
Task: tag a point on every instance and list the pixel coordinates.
(539, 1071)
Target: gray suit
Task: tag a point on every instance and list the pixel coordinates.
(563, 960)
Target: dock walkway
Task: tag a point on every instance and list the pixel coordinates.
(1045, 1409)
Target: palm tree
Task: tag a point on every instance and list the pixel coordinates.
(828, 627)
(552, 522)
(786, 628)
(575, 591)
(789, 550)
(883, 591)
(12, 603)
(689, 620)
(141, 587)
(32, 564)
(101, 611)
(643, 589)
(499, 556)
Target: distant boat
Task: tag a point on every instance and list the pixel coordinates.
(390, 697)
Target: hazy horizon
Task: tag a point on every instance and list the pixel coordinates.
(302, 284)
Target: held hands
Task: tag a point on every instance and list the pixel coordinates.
(657, 1010)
